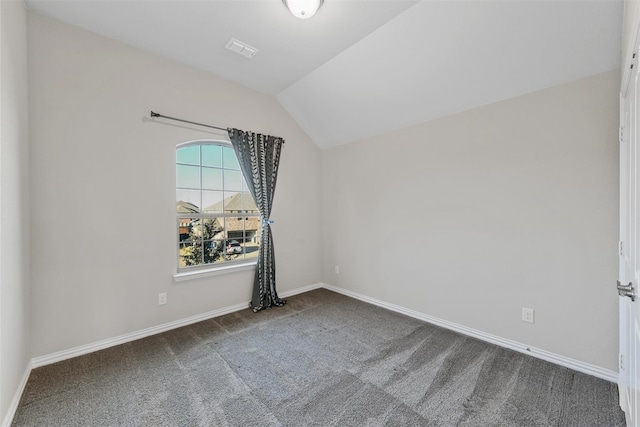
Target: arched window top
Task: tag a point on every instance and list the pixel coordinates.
(204, 141)
(208, 153)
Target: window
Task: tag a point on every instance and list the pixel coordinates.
(211, 193)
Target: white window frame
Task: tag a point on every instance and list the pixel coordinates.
(221, 267)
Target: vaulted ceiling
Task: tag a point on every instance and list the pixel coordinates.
(360, 68)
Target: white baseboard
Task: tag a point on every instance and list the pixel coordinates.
(493, 339)
(13, 406)
(503, 342)
(567, 362)
(287, 294)
(110, 342)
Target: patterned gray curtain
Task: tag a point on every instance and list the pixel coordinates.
(259, 157)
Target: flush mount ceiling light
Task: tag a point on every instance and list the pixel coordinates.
(303, 9)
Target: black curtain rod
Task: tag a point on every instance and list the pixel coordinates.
(186, 121)
(153, 114)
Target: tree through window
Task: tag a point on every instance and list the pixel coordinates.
(218, 221)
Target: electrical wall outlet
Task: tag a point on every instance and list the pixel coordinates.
(162, 298)
(336, 269)
(527, 315)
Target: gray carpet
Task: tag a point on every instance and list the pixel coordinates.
(322, 360)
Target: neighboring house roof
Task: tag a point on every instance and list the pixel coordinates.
(237, 202)
(186, 207)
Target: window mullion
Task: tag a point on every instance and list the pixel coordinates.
(202, 242)
(201, 194)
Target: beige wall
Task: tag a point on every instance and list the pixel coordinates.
(471, 217)
(15, 332)
(103, 187)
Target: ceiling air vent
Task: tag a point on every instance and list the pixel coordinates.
(241, 48)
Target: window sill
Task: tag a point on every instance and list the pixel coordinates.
(198, 274)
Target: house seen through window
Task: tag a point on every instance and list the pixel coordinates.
(218, 221)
